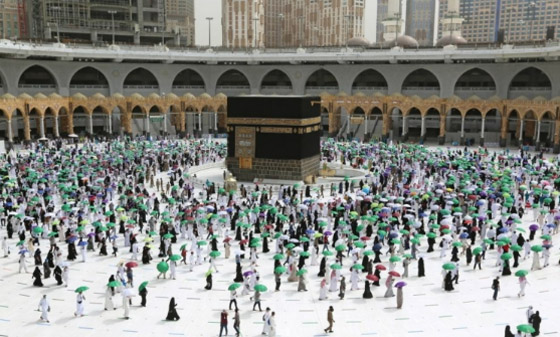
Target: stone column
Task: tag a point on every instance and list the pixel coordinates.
(147, 124)
(42, 126)
(423, 129)
(366, 116)
(503, 129)
(10, 131)
(538, 136)
(556, 147)
(56, 132)
(462, 141)
(165, 123)
(386, 126)
(521, 132)
(90, 123)
(110, 126)
(482, 132)
(442, 122)
(26, 128)
(215, 122)
(200, 123)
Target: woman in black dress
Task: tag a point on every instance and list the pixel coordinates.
(46, 269)
(37, 276)
(448, 282)
(421, 267)
(72, 254)
(367, 291)
(58, 275)
(322, 267)
(172, 313)
(146, 255)
(37, 257)
(208, 282)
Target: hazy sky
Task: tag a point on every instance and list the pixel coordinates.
(213, 8)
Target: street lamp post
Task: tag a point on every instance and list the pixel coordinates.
(56, 10)
(300, 30)
(112, 12)
(209, 31)
(346, 20)
(532, 8)
(280, 24)
(255, 20)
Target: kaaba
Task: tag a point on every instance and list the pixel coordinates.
(273, 137)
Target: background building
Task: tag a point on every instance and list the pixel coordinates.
(133, 21)
(242, 23)
(294, 23)
(421, 20)
(507, 20)
(419, 16)
(10, 19)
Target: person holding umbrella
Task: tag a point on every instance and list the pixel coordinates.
(208, 280)
(233, 295)
(162, 267)
(330, 319)
(399, 286)
(143, 292)
(522, 274)
(80, 299)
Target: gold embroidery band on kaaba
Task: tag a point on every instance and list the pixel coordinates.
(274, 121)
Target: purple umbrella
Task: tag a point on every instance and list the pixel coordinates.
(400, 284)
(72, 239)
(533, 227)
(327, 233)
(247, 273)
(503, 230)
(550, 225)
(91, 234)
(82, 243)
(463, 236)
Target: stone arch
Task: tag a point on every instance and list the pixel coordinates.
(276, 82)
(369, 81)
(49, 122)
(188, 79)
(140, 78)
(320, 81)
(80, 119)
(421, 82)
(530, 82)
(89, 78)
(547, 121)
(37, 77)
(18, 124)
(477, 82)
(232, 82)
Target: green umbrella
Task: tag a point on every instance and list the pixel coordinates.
(359, 244)
(279, 257)
(304, 254)
(215, 253)
(357, 266)
(457, 244)
(537, 248)
(336, 266)
(396, 241)
(37, 230)
(81, 289)
(340, 248)
(544, 237)
(142, 285)
(521, 272)
(51, 234)
(506, 256)
(201, 243)
(113, 284)
(477, 251)
(234, 286)
(516, 248)
(394, 259)
(526, 328)
(175, 257)
(162, 267)
(261, 287)
(368, 252)
(327, 253)
(431, 235)
(301, 272)
(280, 270)
(290, 246)
(152, 233)
(449, 266)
